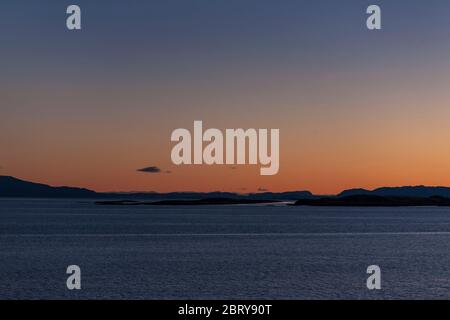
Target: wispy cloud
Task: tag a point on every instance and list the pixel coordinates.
(151, 169)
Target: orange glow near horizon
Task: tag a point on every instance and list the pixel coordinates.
(388, 142)
(332, 159)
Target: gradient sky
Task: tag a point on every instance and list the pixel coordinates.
(355, 108)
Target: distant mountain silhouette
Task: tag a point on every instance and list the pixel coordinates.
(293, 195)
(417, 191)
(13, 187)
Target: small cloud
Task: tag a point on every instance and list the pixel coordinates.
(151, 169)
(262, 190)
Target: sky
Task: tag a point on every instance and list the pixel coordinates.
(355, 108)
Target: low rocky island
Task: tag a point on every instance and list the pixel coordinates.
(374, 201)
(195, 202)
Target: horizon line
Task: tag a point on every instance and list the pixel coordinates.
(222, 191)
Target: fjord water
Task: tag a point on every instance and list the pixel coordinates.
(221, 252)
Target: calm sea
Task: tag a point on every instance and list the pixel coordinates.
(221, 252)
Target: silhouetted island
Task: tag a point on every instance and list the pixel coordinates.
(374, 201)
(16, 188)
(216, 201)
(11, 187)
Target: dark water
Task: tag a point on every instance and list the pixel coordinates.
(221, 252)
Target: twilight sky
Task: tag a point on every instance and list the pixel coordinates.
(355, 108)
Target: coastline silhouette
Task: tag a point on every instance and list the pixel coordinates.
(381, 197)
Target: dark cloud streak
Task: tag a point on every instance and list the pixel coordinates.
(151, 169)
